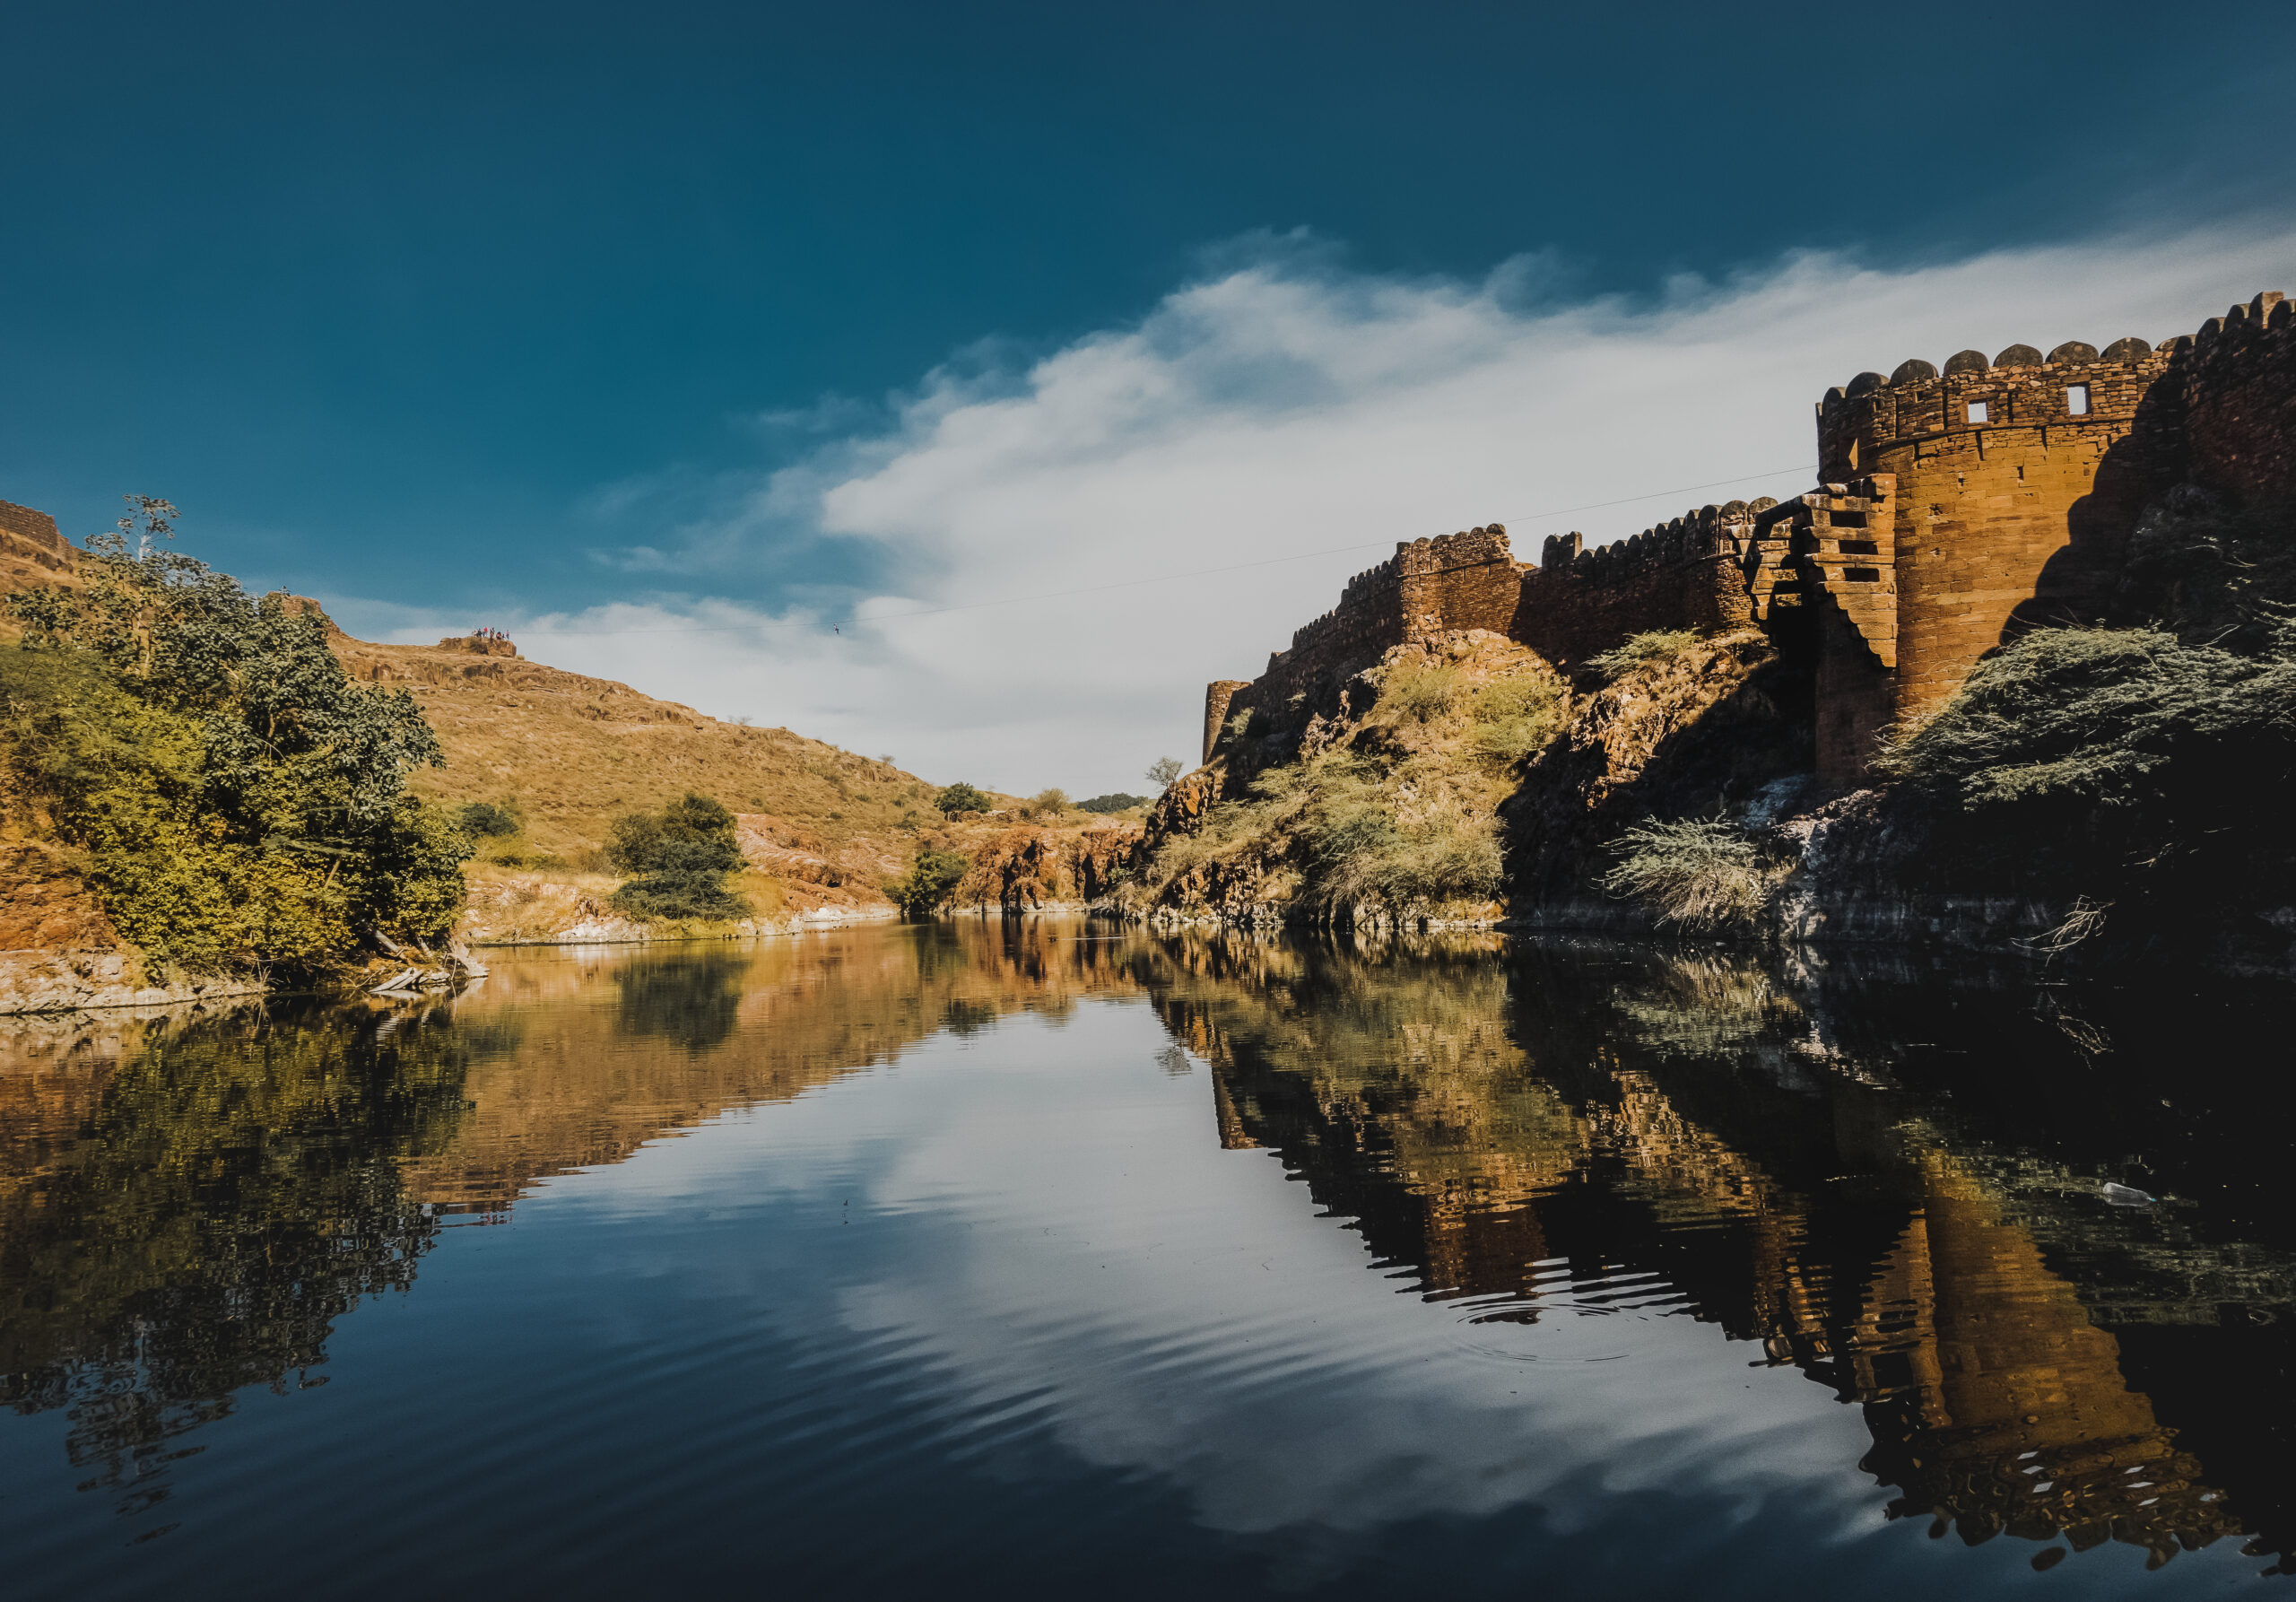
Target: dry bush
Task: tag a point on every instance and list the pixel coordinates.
(1517, 716)
(1701, 873)
(1420, 692)
(1660, 647)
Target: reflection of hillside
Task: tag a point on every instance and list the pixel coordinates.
(1582, 1132)
(187, 1206)
(618, 1047)
(194, 1207)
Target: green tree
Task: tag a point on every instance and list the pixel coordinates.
(930, 881)
(483, 820)
(242, 800)
(960, 797)
(675, 860)
(1163, 770)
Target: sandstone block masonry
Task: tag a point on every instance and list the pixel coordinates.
(31, 552)
(1956, 507)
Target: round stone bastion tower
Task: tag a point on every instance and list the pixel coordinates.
(1996, 464)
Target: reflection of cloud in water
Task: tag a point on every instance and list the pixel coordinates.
(1165, 1306)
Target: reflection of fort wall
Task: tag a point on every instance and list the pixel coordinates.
(1997, 1402)
(1819, 1217)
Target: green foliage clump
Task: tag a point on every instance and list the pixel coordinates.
(2110, 762)
(1420, 692)
(674, 861)
(242, 801)
(486, 820)
(1348, 849)
(237, 1187)
(1656, 648)
(1250, 723)
(2215, 573)
(1114, 801)
(1517, 716)
(1701, 873)
(960, 797)
(929, 883)
(1045, 804)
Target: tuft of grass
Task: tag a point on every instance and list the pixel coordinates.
(1660, 647)
(1701, 873)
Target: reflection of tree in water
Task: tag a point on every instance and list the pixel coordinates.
(233, 1192)
(1705, 1128)
(689, 998)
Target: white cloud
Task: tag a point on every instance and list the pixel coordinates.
(1284, 406)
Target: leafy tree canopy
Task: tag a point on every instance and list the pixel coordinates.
(243, 801)
(676, 861)
(929, 883)
(960, 797)
(485, 819)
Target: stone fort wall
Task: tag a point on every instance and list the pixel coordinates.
(1683, 574)
(1956, 507)
(31, 552)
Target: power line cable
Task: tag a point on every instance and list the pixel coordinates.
(1093, 589)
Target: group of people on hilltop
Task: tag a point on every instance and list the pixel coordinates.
(482, 632)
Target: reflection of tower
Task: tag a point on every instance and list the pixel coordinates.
(1996, 1402)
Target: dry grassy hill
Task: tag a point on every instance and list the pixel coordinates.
(824, 828)
(568, 753)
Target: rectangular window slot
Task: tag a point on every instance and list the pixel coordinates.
(1846, 520)
(1977, 411)
(1862, 575)
(1859, 548)
(2076, 399)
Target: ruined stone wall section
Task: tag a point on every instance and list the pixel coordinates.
(2239, 402)
(1217, 696)
(31, 552)
(1681, 574)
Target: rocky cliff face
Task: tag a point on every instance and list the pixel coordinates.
(1688, 727)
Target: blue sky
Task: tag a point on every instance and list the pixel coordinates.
(616, 324)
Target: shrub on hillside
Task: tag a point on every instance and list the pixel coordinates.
(959, 798)
(1349, 844)
(676, 861)
(1657, 646)
(1114, 801)
(1698, 873)
(1518, 716)
(243, 802)
(1045, 805)
(2214, 573)
(486, 820)
(2110, 762)
(1420, 692)
(925, 888)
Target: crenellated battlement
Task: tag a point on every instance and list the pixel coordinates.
(1956, 506)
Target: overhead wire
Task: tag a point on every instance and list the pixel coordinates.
(1093, 589)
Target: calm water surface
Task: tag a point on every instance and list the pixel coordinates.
(1010, 1259)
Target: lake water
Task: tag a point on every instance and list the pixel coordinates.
(1024, 1259)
